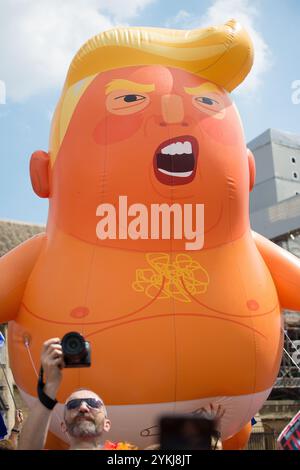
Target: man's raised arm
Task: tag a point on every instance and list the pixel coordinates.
(35, 429)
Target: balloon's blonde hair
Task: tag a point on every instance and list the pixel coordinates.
(222, 55)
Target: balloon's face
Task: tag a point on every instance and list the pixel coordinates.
(154, 134)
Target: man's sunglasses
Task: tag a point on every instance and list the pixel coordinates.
(91, 403)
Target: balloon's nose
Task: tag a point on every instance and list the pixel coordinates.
(172, 109)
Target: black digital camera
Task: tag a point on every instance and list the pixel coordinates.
(76, 351)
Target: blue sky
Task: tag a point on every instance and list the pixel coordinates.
(39, 38)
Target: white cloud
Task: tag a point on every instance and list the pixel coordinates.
(247, 13)
(39, 38)
(182, 19)
(50, 113)
(123, 9)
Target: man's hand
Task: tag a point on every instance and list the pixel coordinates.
(52, 363)
(215, 412)
(18, 420)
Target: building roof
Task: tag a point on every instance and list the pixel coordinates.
(13, 233)
(288, 139)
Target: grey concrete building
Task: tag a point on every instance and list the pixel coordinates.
(275, 199)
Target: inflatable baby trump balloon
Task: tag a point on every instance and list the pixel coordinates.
(148, 250)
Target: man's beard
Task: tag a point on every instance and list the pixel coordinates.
(82, 426)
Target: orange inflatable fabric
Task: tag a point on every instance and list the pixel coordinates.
(148, 250)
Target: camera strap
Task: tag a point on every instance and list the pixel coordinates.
(44, 399)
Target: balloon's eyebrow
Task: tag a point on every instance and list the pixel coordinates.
(205, 87)
(128, 85)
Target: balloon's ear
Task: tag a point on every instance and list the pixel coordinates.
(252, 170)
(39, 173)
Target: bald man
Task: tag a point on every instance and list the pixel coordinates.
(85, 416)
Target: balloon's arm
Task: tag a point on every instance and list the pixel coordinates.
(15, 269)
(285, 270)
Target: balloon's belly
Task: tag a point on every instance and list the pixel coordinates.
(163, 327)
(158, 355)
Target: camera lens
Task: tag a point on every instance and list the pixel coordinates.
(73, 345)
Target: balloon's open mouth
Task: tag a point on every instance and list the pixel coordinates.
(175, 160)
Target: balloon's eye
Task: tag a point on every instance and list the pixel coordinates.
(206, 100)
(125, 103)
(212, 104)
(130, 98)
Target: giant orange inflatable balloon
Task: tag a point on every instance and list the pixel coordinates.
(148, 250)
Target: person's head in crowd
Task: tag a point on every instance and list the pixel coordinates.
(85, 417)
